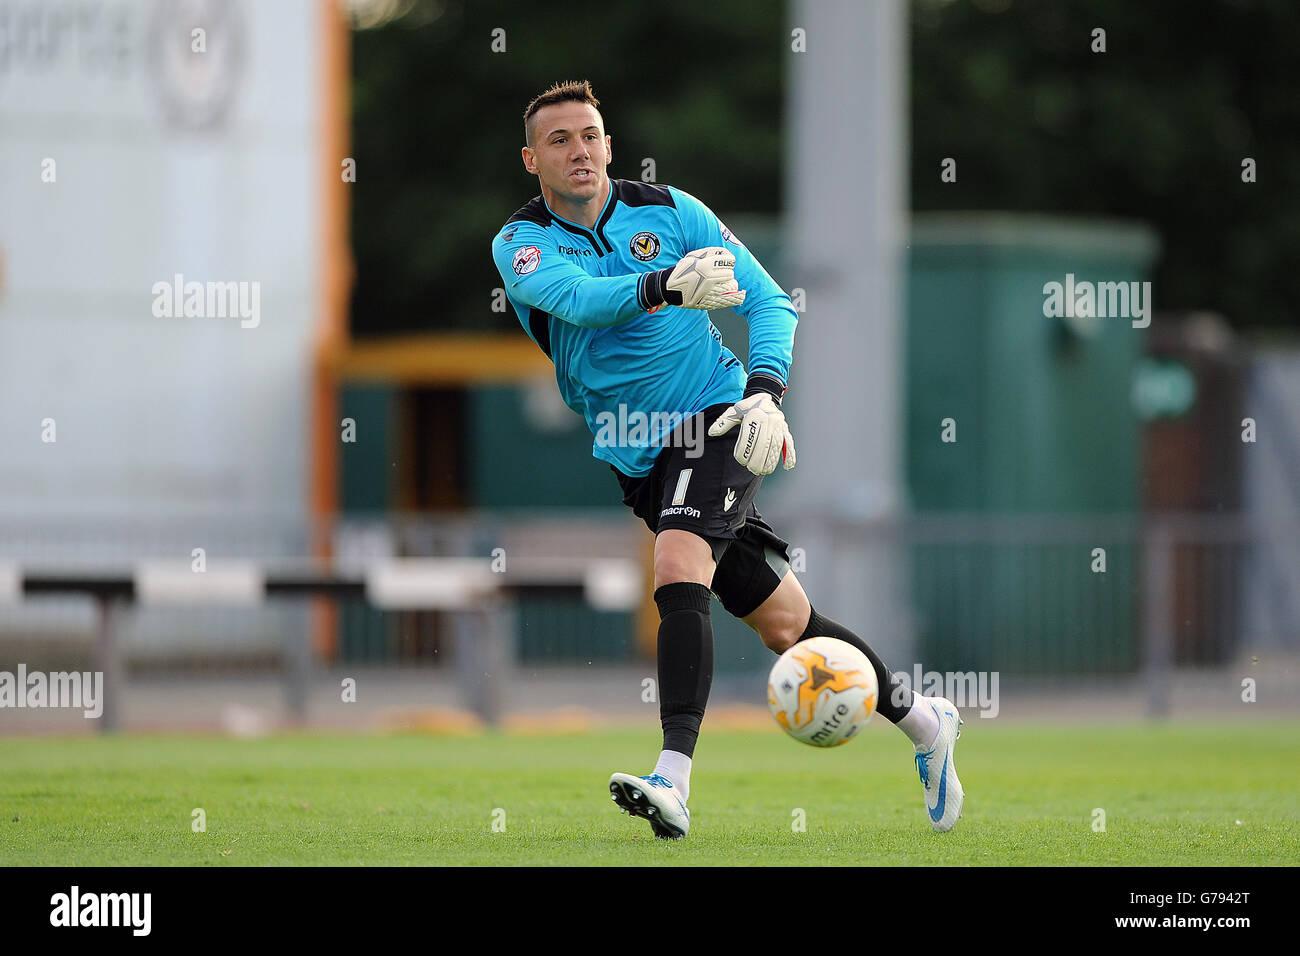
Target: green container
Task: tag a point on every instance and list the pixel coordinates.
(1041, 410)
(366, 479)
(526, 450)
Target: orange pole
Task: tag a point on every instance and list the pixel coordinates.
(336, 270)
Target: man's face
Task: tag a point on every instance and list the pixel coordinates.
(569, 151)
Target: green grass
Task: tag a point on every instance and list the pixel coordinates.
(1222, 795)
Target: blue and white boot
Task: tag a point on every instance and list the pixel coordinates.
(943, 792)
(655, 798)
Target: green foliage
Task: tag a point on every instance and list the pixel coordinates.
(1154, 129)
(438, 125)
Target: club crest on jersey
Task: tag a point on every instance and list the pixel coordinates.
(645, 246)
(526, 260)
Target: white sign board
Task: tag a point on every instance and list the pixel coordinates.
(159, 254)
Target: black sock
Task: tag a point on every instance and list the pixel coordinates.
(685, 662)
(892, 689)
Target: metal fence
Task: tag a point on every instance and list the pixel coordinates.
(1018, 594)
(1054, 595)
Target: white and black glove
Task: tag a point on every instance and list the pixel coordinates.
(703, 279)
(764, 437)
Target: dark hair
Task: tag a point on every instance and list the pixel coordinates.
(571, 91)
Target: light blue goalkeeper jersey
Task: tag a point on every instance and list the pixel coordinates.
(579, 295)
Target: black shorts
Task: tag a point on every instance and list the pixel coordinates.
(707, 492)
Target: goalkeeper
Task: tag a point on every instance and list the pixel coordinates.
(613, 279)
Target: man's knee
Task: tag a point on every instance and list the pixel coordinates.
(782, 633)
(781, 620)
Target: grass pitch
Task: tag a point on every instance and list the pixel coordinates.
(1205, 795)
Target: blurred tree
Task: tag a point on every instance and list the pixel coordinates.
(438, 124)
(1153, 129)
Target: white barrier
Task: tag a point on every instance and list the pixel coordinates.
(471, 588)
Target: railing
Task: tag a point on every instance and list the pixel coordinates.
(1061, 597)
(477, 592)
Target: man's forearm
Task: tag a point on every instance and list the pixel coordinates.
(771, 337)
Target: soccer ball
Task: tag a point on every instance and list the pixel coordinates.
(822, 691)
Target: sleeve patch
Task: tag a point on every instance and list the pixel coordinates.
(728, 235)
(527, 260)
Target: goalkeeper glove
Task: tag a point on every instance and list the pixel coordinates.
(764, 435)
(703, 279)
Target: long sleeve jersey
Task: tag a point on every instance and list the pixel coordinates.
(579, 295)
